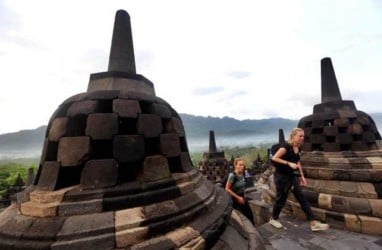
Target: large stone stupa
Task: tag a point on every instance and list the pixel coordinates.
(115, 173)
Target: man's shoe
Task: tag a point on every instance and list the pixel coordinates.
(275, 223)
(318, 226)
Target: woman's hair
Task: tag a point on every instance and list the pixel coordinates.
(293, 132)
(236, 161)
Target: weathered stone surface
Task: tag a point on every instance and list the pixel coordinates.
(49, 174)
(170, 145)
(102, 126)
(154, 168)
(185, 161)
(160, 109)
(128, 218)
(126, 108)
(39, 209)
(97, 242)
(46, 229)
(325, 201)
(370, 225)
(128, 148)
(131, 236)
(87, 225)
(81, 207)
(57, 129)
(174, 125)
(376, 207)
(149, 125)
(99, 173)
(82, 108)
(352, 222)
(73, 151)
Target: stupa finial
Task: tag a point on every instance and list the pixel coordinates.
(122, 51)
(281, 136)
(212, 146)
(329, 86)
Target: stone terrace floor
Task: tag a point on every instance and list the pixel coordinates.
(296, 235)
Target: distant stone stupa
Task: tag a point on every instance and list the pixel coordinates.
(214, 165)
(115, 173)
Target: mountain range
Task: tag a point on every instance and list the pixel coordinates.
(228, 132)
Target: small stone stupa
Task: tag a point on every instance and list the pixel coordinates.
(214, 165)
(342, 162)
(115, 173)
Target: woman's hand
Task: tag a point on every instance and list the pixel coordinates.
(240, 200)
(302, 181)
(292, 165)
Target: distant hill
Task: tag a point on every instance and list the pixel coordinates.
(228, 132)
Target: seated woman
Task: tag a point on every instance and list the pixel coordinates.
(235, 187)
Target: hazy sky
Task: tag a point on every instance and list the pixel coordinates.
(243, 59)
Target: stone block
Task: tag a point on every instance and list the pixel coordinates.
(39, 209)
(335, 219)
(346, 113)
(325, 201)
(45, 229)
(57, 128)
(128, 148)
(76, 98)
(182, 235)
(131, 236)
(366, 190)
(174, 125)
(326, 174)
(342, 174)
(170, 145)
(376, 207)
(352, 222)
(99, 173)
(49, 175)
(186, 162)
(97, 242)
(102, 95)
(160, 109)
(128, 218)
(154, 168)
(79, 226)
(370, 225)
(347, 188)
(102, 126)
(261, 211)
(359, 205)
(73, 151)
(39, 196)
(126, 108)
(82, 108)
(149, 125)
(160, 209)
(81, 207)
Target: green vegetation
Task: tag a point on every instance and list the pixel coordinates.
(10, 171)
(249, 154)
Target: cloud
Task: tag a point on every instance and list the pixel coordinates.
(239, 74)
(213, 90)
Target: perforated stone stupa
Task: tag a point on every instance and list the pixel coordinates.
(214, 165)
(342, 162)
(115, 173)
